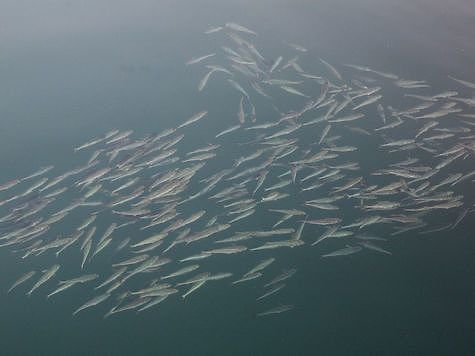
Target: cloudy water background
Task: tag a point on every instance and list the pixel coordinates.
(73, 70)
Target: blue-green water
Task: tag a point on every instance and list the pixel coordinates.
(72, 71)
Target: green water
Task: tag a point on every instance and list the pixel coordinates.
(74, 70)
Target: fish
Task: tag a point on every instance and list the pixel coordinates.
(112, 277)
(218, 276)
(459, 219)
(214, 29)
(101, 245)
(426, 127)
(200, 59)
(47, 275)
(271, 291)
(286, 274)
(369, 101)
(239, 28)
(134, 304)
(239, 88)
(248, 277)
(370, 246)
(228, 130)
(297, 47)
(131, 261)
(181, 271)
(193, 288)
(293, 91)
(260, 266)
(226, 250)
(276, 64)
(324, 221)
(463, 82)
(150, 240)
(207, 232)
(332, 69)
(348, 250)
(35, 186)
(324, 134)
(38, 173)
(277, 310)
(328, 233)
(347, 118)
(242, 216)
(22, 279)
(93, 302)
(63, 285)
(60, 289)
(204, 81)
(203, 149)
(351, 183)
(9, 184)
(153, 302)
(119, 137)
(88, 144)
(196, 257)
(298, 233)
(282, 177)
(86, 251)
(193, 119)
(241, 115)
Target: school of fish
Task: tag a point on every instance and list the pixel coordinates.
(156, 216)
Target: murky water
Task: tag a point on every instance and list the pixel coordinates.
(73, 71)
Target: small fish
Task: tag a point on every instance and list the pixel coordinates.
(213, 29)
(324, 221)
(332, 69)
(239, 88)
(45, 277)
(193, 288)
(262, 265)
(94, 301)
(275, 64)
(293, 91)
(369, 101)
(9, 184)
(22, 279)
(370, 246)
(194, 118)
(272, 291)
(181, 271)
(296, 47)
(200, 59)
(241, 115)
(348, 250)
(463, 82)
(239, 28)
(248, 277)
(228, 130)
(286, 274)
(39, 172)
(277, 310)
(204, 81)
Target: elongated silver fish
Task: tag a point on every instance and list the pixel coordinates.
(22, 279)
(272, 291)
(277, 310)
(349, 250)
(92, 302)
(194, 118)
(200, 59)
(45, 278)
(239, 28)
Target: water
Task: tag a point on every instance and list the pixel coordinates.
(71, 71)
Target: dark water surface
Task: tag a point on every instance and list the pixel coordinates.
(72, 70)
